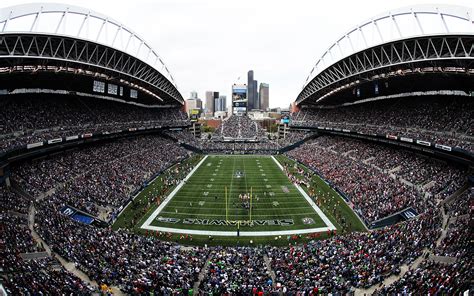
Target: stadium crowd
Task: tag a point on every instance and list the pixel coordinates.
(11, 201)
(239, 127)
(459, 232)
(140, 264)
(21, 276)
(422, 118)
(356, 260)
(103, 176)
(26, 120)
(264, 146)
(293, 136)
(135, 263)
(236, 271)
(464, 205)
(432, 278)
(378, 180)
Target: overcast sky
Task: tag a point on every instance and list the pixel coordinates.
(209, 44)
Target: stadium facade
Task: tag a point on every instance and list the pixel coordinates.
(72, 55)
(411, 54)
(370, 59)
(63, 40)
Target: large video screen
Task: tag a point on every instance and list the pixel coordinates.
(239, 94)
(194, 115)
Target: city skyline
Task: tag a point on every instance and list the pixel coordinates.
(257, 98)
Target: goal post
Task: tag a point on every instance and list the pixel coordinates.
(226, 206)
(250, 212)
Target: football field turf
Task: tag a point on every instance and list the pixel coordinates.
(208, 201)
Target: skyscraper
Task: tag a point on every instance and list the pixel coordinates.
(220, 103)
(263, 95)
(193, 104)
(252, 94)
(194, 95)
(210, 104)
(223, 103)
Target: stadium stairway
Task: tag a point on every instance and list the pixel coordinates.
(201, 276)
(446, 221)
(455, 195)
(269, 267)
(69, 266)
(393, 278)
(427, 253)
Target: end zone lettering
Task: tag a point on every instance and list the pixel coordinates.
(276, 222)
(167, 220)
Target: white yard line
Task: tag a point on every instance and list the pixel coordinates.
(170, 196)
(316, 208)
(278, 163)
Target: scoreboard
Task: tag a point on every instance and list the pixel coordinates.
(285, 117)
(194, 115)
(239, 107)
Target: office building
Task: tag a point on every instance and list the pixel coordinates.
(220, 104)
(263, 96)
(193, 104)
(252, 95)
(194, 95)
(210, 101)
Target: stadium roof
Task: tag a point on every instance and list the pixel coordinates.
(62, 20)
(390, 27)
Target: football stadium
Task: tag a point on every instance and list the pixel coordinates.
(110, 184)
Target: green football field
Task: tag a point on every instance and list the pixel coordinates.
(201, 203)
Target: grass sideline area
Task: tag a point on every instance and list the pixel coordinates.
(144, 205)
(146, 201)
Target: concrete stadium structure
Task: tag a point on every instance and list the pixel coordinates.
(413, 40)
(64, 38)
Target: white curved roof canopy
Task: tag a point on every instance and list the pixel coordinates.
(81, 23)
(403, 23)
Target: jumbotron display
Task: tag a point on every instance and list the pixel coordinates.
(365, 187)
